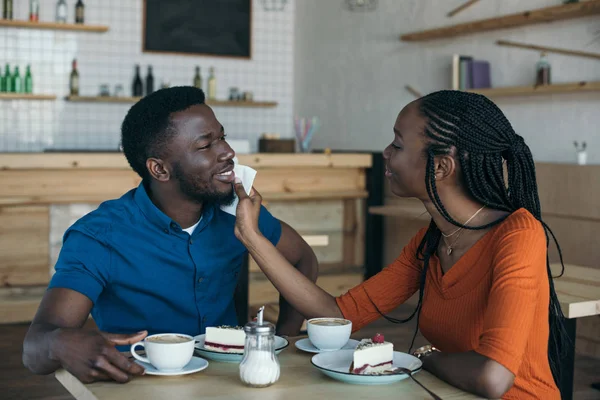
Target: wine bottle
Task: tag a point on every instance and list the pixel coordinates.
(212, 84)
(149, 81)
(6, 80)
(79, 12)
(198, 79)
(28, 80)
(7, 12)
(137, 87)
(61, 11)
(17, 85)
(74, 80)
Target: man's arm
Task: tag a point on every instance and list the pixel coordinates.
(302, 257)
(56, 338)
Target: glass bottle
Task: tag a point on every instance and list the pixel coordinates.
(2, 82)
(34, 10)
(212, 84)
(28, 80)
(6, 80)
(149, 81)
(17, 83)
(61, 11)
(198, 79)
(542, 71)
(79, 12)
(74, 80)
(259, 367)
(7, 12)
(137, 89)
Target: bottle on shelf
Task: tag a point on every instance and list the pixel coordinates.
(28, 81)
(61, 11)
(79, 12)
(137, 89)
(34, 10)
(212, 84)
(7, 12)
(74, 80)
(17, 84)
(198, 79)
(6, 80)
(149, 81)
(542, 71)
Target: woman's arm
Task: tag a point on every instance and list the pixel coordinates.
(362, 304)
(471, 372)
(304, 295)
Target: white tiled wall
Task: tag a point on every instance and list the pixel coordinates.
(109, 58)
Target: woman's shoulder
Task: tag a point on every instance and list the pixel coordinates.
(521, 220)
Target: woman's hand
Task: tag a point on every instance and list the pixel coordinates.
(247, 212)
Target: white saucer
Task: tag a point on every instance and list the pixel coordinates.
(306, 345)
(280, 344)
(196, 364)
(336, 365)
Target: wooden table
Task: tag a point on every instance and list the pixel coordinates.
(299, 380)
(578, 292)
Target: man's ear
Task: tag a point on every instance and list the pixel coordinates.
(158, 169)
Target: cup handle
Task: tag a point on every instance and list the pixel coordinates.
(137, 356)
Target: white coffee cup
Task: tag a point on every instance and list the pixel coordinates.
(166, 351)
(329, 334)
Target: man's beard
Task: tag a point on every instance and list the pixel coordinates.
(199, 191)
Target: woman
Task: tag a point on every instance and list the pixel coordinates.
(486, 297)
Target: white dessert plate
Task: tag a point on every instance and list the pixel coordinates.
(196, 364)
(306, 345)
(280, 344)
(336, 365)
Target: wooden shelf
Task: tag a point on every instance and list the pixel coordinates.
(541, 15)
(536, 90)
(26, 96)
(52, 26)
(214, 103)
(403, 211)
(102, 99)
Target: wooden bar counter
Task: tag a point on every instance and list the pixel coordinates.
(320, 194)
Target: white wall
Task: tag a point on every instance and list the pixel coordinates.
(351, 69)
(110, 58)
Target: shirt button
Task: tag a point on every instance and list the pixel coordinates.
(166, 230)
(173, 225)
(191, 242)
(204, 320)
(200, 280)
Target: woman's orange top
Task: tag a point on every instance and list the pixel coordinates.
(494, 301)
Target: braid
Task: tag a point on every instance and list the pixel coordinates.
(484, 140)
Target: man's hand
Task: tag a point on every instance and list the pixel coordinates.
(91, 355)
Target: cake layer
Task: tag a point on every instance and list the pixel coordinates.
(371, 357)
(225, 339)
(372, 369)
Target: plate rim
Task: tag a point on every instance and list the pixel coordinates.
(287, 343)
(351, 374)
(177, 373)
(317, 351)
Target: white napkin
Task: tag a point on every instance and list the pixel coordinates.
(247, 175)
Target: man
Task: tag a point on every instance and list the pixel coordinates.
(162, 258)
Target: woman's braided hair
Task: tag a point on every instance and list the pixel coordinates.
(483, 139)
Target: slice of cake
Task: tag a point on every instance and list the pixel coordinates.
(225, 339)
(372, 356)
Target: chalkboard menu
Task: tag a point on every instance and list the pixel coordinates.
(200, 27)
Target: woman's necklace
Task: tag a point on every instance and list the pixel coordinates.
(450, 247)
